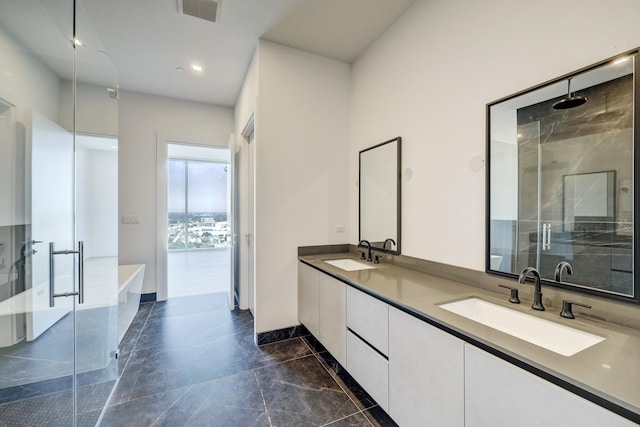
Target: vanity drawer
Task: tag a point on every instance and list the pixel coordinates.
(369, 319)
(369, 368)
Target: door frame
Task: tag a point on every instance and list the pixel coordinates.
(246, 143)
(162, 157)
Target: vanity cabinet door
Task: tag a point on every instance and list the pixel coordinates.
(368, 318)
(500, 394)
(308, 296)
(333, 313)
(369, 368)
(426, 373)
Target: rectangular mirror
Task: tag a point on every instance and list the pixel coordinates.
(560, 180)
(380, 191)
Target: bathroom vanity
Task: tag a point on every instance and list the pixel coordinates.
(426, 365)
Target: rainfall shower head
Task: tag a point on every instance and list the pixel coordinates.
(570, 101)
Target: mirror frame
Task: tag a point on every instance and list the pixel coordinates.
(635, 298)
(398, 193)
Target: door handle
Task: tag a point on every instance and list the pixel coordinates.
(52, 276)
(31, 242)
(546, 237)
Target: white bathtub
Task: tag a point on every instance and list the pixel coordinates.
(129, 289)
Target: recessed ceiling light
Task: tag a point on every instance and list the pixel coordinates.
(77, 42)
(196, 67)
(179, 69)
(621, 60)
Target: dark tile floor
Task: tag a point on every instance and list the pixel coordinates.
(192, 362)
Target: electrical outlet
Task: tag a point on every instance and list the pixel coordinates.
(131, 219)
(340, 228)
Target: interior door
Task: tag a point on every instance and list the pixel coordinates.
(50, 166)
(250, 236)
(234, 295)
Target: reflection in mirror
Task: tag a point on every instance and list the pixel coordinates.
(561, 165)
(380, 195)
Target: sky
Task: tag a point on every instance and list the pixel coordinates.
(207, 186)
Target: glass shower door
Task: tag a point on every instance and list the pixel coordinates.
(57, 350)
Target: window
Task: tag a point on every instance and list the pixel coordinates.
(197, 205)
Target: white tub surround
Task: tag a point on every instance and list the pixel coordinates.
(130, 278)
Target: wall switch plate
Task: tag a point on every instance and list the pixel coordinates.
(340, 228)
(131, 219)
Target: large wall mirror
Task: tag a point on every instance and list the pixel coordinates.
(380, 195)
(560, 180)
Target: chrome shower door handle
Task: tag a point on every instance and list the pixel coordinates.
(52, 276)
(80, 272)
(546, 237)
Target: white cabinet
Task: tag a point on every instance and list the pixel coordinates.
(368, 344)
(422, 375)
(332, 317)
(308, 297)
(369, 368)
(368, 317)
(322, 309)
(498, 393)
(426, 373)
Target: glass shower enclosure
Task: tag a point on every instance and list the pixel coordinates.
(58, 279)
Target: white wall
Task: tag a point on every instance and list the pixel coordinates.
(302, 129)
(96, 111)
(97, 201)
(247, 99)
(504, 180)
(141, 117)
(428, 79)
(26, 82)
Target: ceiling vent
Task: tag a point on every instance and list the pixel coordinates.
(204, 9)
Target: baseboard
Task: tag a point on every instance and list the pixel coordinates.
(282, 334)
(151, 297)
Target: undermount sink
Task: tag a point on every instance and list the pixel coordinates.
(552, 336)
(348, 264)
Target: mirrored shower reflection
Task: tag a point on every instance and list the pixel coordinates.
(562, 180)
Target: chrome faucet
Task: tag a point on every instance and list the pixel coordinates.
(363, 243)
(389, 240)
(537, 293)
(562, 265)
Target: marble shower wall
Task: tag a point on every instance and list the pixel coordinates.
(11, 238)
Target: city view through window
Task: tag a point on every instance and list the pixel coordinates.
(197, 205)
